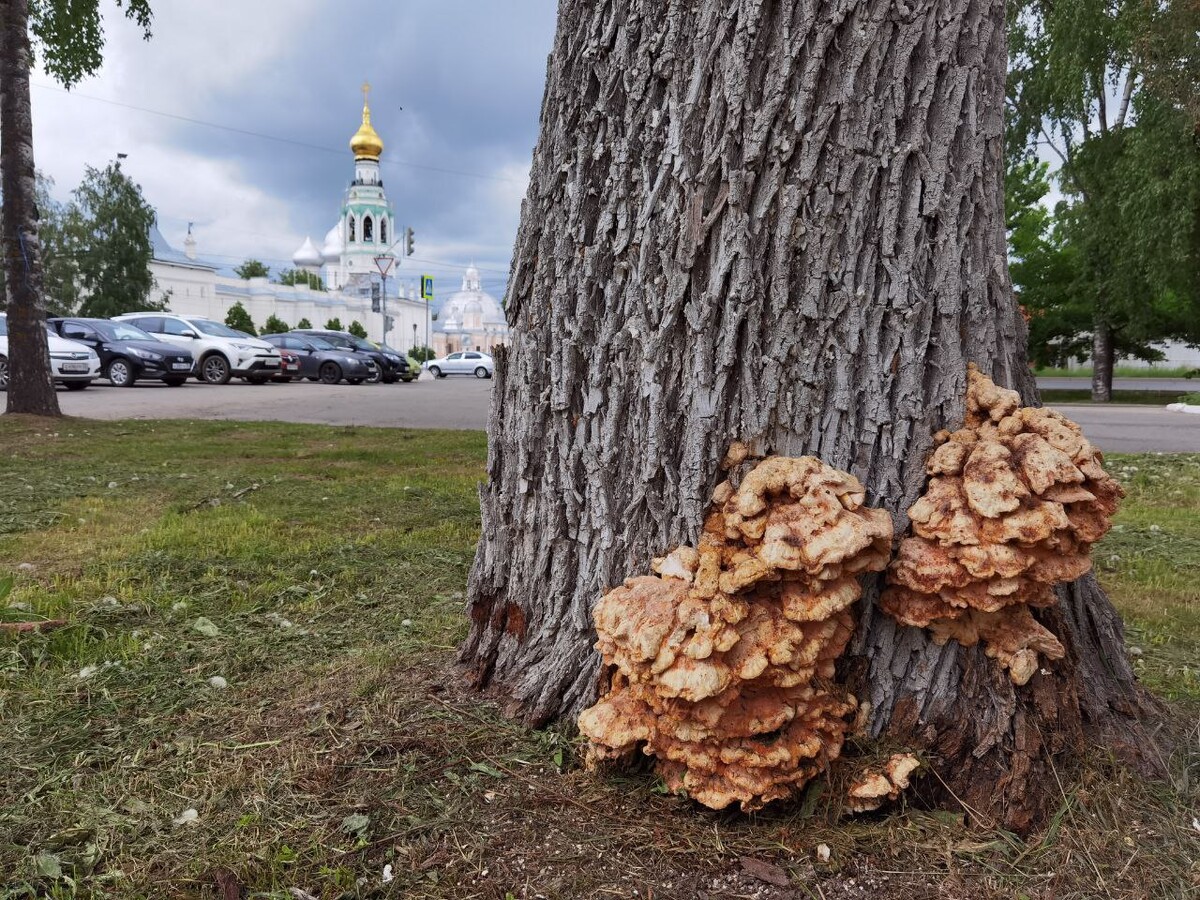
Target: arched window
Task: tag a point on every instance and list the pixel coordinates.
(368, 236)
(383, 231)
(350, 229)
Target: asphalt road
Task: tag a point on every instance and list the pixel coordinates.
(462, 403)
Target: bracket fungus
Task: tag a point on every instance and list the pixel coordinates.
(721, 663)
(875, 787)
(1015, 499)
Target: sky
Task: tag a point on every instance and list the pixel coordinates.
(456, 89)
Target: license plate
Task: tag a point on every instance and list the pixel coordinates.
(181, 366)
(74, 367)
(271, 364)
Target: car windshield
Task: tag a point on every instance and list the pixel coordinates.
(363, 344)
(342, 343)
(121, 331)
(216, 329)
(3, 326)
(319, 343)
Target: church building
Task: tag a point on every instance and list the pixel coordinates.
(345, 263)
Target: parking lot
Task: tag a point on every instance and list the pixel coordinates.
(425, 403)
(462, 403)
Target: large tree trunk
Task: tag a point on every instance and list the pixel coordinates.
(778, 222)
(1102, 363)
(30, 389)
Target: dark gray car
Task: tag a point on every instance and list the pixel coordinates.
(321, 361)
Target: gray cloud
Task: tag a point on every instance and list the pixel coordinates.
(469, 76)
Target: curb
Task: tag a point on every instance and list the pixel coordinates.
(1184, 408)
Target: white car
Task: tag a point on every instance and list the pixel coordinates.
(219, 351)
(466, 362)
(72, 364)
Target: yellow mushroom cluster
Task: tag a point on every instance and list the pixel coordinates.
(1015, 500)
(722, 660)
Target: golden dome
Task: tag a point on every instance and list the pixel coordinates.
(366, 142)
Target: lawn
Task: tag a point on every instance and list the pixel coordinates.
(1124, 372)
(254, 695)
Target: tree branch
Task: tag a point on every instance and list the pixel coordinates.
(1126, 96)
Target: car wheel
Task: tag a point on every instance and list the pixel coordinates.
(331, 373)
(482, 372)
(174, 382)
(120, 373)
(75, 385)
(376, 376)
(435, 371)
(3, 373)
(214, 369)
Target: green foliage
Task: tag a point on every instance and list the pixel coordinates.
(1121, 252)
(252, 268)
(274, 325)
(422, 354)
(357, 329)
(68, 35)
(112, 222)
(238, 318)
(59, 232)
(299, 276)
(304, 323)
(58, 235)
(334, 324)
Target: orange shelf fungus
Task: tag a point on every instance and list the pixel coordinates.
(874, 788)
(722, 661)
(1016, 498)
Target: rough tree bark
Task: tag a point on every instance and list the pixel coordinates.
(30, 389)
(778, 221)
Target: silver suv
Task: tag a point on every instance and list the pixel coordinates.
(220, 352)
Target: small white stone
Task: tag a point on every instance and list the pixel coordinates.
(179, 606)
(387, 874)
(1135, 651)
(407, 623)
(111, 485)
(26, 567)
(823, 852)
(188, 817)
(218, 682)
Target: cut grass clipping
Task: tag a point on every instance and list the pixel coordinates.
(253, 695)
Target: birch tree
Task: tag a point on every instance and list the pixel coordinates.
(69, 37)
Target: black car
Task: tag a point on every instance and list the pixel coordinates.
(127, 353)
(322, 361)
(392, 365)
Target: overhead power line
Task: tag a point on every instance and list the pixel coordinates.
(266, 137)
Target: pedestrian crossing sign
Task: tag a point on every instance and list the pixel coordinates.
(426, 287)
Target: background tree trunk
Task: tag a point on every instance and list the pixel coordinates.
(30, 389)
(778, 221)
(1102, 363)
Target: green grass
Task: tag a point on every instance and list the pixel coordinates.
(319, 572)
(1124, 372)
(1144, 398)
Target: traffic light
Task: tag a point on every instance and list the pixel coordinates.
(375, 303)
(408, 242)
